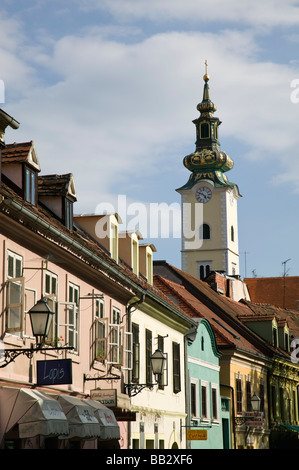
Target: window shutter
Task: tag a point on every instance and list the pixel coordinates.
(15, 303)
(176, 367)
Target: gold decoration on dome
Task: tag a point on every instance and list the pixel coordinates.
(206, 76)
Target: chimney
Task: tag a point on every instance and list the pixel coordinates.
(5, 120)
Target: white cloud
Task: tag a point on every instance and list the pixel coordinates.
(121, 111)
(267, 13)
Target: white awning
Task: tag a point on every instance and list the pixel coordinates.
(107, 420)
(83, 423)
(35, 413)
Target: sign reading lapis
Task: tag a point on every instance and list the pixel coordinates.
(56, 372)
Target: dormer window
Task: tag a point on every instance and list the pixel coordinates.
(30, 185)
(20, 168)
(68, 213)
(57, 193)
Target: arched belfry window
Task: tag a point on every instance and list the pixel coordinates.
(204, 269)
(204, 232)
(204, 130)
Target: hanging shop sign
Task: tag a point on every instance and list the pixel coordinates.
(197, 434)
(106, 397)
(56, 372)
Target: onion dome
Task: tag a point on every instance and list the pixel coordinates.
(208, 161)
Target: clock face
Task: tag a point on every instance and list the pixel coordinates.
(203, 194)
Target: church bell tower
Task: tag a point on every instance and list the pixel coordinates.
(209, 201)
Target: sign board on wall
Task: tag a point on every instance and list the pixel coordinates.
(56, 372)
(197, 434)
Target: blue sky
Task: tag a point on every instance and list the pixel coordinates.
(108, 90)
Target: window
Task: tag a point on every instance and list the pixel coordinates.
(136, 354)
(15, 299)
(194, 398)
(275, 343)
(204, 403)
(176, 367)
(232, 234)
(115, 343)
(204, 232)
(51, 296)
(30, 185)
(239, 395)
(163, 380)
(148, 353)
(248, 396)
(204, 269)
(204, 130)
(68, 213)
(214, 402)
(73, 317)
(14, 265)
(262, 396)
(100, 331)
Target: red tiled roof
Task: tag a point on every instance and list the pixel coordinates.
(16, 153)
(225, 335)
(232, 313)
(53, 184)
(291, 317)
(279, 291)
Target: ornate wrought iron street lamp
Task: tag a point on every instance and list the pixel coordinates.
(41, 317)
(158, 361)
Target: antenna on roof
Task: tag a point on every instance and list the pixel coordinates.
(284, 280)
(284, 267)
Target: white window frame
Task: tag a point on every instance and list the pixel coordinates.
(215, 386)
(194, 381)
(15, 279)
(51, 296)
(101, 341)
(205, 384)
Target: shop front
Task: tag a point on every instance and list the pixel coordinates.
(31, 418)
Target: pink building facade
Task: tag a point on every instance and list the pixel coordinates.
(43, 255)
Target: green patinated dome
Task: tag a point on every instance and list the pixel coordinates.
(208, 162)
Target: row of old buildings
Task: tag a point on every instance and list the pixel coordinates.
(229, 373)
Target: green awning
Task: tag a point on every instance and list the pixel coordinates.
(292, 428)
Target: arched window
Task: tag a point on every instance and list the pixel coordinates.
(204, 130)
(204, 232)
(204, 270)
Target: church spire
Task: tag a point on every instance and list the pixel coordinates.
(206, 107)
(208, 161)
